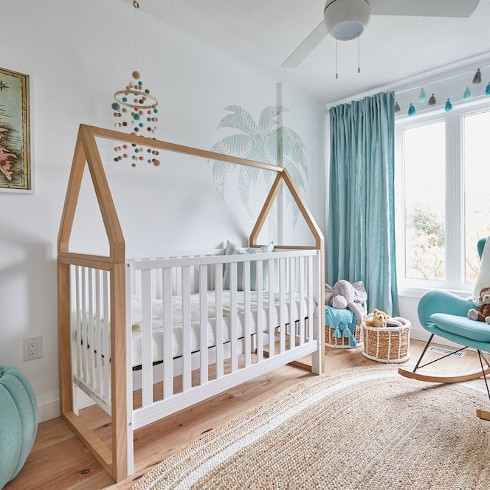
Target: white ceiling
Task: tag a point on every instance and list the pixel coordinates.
(263, 33)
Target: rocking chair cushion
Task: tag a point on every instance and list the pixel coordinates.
(462, 326)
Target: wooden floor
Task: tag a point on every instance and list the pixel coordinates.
(58, 460)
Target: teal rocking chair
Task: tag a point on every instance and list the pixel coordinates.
(444, 314)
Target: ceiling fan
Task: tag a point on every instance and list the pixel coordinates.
(346, 19)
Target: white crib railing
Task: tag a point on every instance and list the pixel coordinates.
(292, 276)
(91, 334)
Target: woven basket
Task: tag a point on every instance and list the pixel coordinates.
(389, 344)
(343, 343)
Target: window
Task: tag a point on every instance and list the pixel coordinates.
(442, 196)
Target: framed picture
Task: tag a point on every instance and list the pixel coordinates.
(15, 147)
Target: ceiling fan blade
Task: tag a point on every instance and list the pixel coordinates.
(430, 8)
(306, 47)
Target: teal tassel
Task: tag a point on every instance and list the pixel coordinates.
(432, 100)
(422, 96)
(487, 90)
(337, 333)
(352, 341)
(467, 94)
(347, 333)
(448, 107)
(411, 110)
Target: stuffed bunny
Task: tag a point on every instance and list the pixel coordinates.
(347, 295)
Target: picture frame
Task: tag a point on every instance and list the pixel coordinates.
(15, 132)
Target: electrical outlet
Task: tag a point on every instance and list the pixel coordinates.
(33, 348)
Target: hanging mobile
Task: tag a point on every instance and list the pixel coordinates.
(135, 109)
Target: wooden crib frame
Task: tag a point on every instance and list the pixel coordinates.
(118, 461)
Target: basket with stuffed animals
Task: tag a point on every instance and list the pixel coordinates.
(345, 308)
(386, 339)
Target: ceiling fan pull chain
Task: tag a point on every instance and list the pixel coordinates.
(336, 60)
(359, 55)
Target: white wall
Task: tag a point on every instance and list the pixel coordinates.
(78, 54)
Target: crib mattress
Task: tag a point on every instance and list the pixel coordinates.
(157, 321)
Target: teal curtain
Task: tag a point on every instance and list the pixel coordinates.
(361, 231)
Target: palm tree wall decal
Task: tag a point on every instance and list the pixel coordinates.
(269, 142)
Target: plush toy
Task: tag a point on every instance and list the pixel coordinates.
(483, 303)
(347, 295)
(377, 319)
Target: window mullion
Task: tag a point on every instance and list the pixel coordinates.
(454, 202)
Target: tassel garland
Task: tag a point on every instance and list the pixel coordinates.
(459, 96)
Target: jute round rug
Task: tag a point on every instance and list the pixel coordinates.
(359, 429)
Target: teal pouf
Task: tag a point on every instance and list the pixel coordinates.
(18, 422)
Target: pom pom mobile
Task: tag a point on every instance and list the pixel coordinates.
(135, 109)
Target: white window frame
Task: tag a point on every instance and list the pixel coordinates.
(454, 233)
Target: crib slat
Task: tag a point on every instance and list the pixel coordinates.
(218, 291)
(203, 330)
(247, 329)
(78, 329)
(98, 335)
(272, 307)
(301, 301)
(233, 317)
(84, 326)
(146, 332)
(310, 299)
(282, 294)
(107, 338)
(168, 365)
(290, 299)
(259, 288)
(91, 328)
(186, 328)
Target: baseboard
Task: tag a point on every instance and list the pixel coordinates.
(48, 405)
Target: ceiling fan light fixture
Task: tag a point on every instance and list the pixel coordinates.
(346, 19)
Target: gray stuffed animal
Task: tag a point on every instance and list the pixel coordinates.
(347, 295)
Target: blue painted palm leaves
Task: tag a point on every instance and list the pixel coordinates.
(265, 141)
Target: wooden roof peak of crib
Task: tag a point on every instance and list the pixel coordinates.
(86, 151)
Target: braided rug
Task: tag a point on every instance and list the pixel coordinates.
(363, 428)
